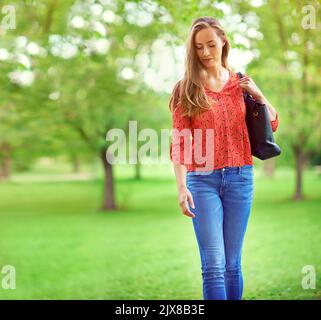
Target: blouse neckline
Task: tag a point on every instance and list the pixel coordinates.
(224, 87)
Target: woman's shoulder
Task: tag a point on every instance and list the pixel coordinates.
(232, 71)
(234, 75)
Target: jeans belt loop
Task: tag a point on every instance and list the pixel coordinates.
(240, 170)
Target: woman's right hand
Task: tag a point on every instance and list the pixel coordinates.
(184, 198)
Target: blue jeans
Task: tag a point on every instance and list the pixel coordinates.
(223, 200)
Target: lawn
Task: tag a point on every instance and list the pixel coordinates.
(63, 248)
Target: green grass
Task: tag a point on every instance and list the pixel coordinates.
(63, 248)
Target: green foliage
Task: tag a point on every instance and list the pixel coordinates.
(79, 91)
(288, 69)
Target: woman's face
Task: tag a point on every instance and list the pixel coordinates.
(208, 46)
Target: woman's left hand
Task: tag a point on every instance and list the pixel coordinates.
(248, 85)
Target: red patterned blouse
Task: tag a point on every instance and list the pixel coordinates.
(222, 137)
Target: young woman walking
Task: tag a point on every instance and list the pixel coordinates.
(208, 113)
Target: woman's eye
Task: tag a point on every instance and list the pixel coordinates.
(213, 45)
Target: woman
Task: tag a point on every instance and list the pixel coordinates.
(216, 192)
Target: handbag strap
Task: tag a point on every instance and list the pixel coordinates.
(240, 75)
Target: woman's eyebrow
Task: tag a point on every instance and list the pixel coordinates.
(206, 42)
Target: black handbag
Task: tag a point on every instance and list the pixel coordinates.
(259, 128)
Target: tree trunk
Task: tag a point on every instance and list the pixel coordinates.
(109, 199)
(301, 157)
(269, 167)
(49, 17)
(75, 164)
(300, 162)
(137, 171)
(5, 162)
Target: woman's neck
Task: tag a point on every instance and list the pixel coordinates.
(215, 71)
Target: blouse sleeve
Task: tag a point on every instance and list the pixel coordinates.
(275, 123)
(180, 146)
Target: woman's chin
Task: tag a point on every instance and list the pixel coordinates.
(208, 64)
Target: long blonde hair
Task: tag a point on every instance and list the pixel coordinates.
(189, 91)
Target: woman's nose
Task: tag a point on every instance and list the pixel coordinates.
(206, 51)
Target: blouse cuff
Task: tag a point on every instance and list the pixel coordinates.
(275, 123)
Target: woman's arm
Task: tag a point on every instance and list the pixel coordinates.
(248, 85)
(271, 110)
(180, 173)
(182, 124)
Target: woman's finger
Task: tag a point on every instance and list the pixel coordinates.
(189, 213)
(186, 211)
(244, 80)
(190, 200)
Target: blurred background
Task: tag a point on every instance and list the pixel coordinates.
(74, 226)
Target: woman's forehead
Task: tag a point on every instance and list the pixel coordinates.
(205, 35)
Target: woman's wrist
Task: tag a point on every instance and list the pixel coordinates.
(259, 98)
(181, 187)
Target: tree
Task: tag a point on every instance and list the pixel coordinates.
(288, 69)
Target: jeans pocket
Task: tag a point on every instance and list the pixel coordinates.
(247, 175)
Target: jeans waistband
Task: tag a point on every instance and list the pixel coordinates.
(237, 169)
(233, 169)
